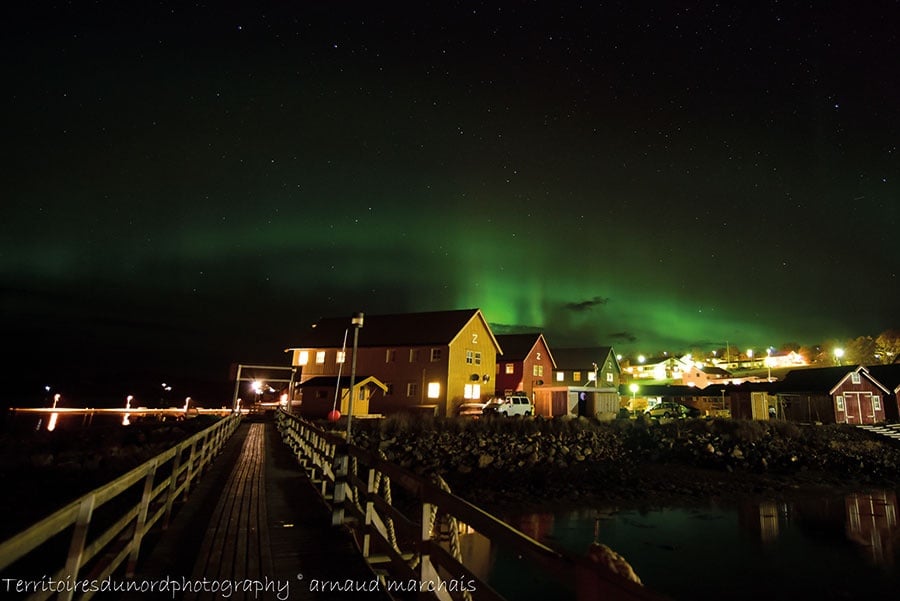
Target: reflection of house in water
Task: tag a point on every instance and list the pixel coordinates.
(476, 551)
(872, 522)
(760, 519)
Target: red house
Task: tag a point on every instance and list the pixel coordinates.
(526, 363)
(844, 395)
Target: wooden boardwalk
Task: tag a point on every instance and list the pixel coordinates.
(256, 529)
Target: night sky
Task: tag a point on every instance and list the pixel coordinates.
(185, 187)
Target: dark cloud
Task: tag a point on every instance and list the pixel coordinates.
(586, 305)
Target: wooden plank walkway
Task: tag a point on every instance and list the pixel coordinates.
(236, 546)
(255, 518)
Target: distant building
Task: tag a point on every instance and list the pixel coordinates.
(659, 369)
(526, 363)
(585, 382)
(703, 376)
(430, 362)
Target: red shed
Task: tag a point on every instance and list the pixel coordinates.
(844, 395)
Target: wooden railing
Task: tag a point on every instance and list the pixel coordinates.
(417, 538)
(123, 509)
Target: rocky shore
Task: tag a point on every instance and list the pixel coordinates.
(574, 460)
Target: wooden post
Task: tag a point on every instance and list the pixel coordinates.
(341, 461)
(76, 547)
(173, 486)
(141, 521)
(370, 510)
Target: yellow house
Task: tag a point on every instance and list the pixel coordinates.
(430, 362)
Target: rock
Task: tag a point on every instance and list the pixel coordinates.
(485, 460)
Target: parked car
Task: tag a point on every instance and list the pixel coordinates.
(671, 409)
(516, 404)
(471, 409)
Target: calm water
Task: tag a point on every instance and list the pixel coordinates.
(826, 548)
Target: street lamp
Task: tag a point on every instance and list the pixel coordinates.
(357, 322)
(838, 355)
(633, 388)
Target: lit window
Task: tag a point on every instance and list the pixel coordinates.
(303, 358)
(576, 376)
(840, 403)
(609, 377)
(341, 356)
(876, 402)
(434, 390)
(472, 391)
(320, 357)
(412, 389)
(510, 368)
(436, 354)
(560, 376)
(592, 376)
(854, 377)
(537, 370)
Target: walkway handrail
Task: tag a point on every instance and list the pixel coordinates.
(357, 486)
(165, 477)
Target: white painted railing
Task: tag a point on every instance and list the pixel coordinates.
(95, 556)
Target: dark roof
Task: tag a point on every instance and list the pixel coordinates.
(582, 358)
(888, 375)
(816, 378)
(517, 346)
(717, 371)
(404, 329)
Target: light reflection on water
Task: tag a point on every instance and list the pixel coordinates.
(844, 547)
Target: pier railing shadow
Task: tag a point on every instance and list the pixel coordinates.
(407, 526)
(94, 536)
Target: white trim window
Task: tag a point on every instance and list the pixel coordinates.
(436, 354)
(854, 377)
(320, 357)
(876, 402)
(412, 389)
(839, 400)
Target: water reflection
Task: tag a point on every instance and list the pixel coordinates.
(872, 523)
(802, 548)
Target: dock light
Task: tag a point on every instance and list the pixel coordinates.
(125, 418)
(357, 322)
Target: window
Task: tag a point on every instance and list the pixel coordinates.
(477, 357)
(537, 370)
(303, 358)
(412, 389)
(390, 355)
(470, 357)
(609, 377)
(576, 376)
(560, 376)
(436, 354)
(434, 390)
(840, 403)
(854, 377)
(510, 368)
(341, 356)
(592, 376)
(320, 357)
(876, 402)
(472, 391)
(414, 355)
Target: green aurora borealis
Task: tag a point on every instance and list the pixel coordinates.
(187, 187)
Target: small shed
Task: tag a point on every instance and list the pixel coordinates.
(844, 395)
(587, 401)
(317, 395)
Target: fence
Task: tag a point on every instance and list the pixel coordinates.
(111, 508)
(417, 538)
